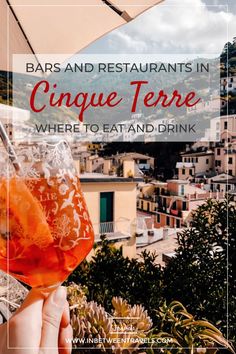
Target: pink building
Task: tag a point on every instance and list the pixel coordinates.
(175, 206)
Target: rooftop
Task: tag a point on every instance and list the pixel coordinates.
(195, 153)
(205, 174)
(178, 181)
(226, 181)
(220, 177)
(100, 177)
(161, 246)
(132, 155)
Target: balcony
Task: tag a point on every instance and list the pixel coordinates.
(185, 165)
(168, 211)
(230, 151)
(211, 195)
(175, 212)
(114, 230)
(149, 198)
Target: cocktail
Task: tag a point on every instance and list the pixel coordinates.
(45, 229)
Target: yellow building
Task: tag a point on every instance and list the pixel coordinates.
(219, 156)
(111, 202)
(147, 196)
(194, 163)
(144, 162)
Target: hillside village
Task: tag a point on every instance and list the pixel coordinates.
(138, 208)
(138, 211)
(155, 210)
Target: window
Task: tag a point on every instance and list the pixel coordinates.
(196, 159)
(106, 211)
(183, 171)
(230, 160)
(177, 223)
(230, 172)
(182, 189)
(207, 161)
(158, 218)
(168, 221)
(218, 152)
(191, 172)
(230, 85)
(217, 163)
(225, 125)
(184, 206)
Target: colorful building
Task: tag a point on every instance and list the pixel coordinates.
(194, 163)
(111, 202)
(172, 203)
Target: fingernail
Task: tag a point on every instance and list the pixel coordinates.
(59, 296)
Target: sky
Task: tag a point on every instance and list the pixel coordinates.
(174, 26)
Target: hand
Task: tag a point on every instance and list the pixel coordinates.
(40, 326)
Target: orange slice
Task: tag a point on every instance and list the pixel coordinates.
(27, 211)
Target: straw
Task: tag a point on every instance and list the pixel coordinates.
(9, 148)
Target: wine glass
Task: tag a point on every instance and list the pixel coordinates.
(45, 229)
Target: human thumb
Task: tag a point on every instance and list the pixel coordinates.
(52, 313)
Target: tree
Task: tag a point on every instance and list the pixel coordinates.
(109, 274)
(202, 274)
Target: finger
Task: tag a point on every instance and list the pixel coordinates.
(34, 298)
(24, 329)
(52, 314)
(65, 340)
(65, 321)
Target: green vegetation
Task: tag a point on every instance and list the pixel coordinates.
(228, 59)
(110, 274)
(129, 329)
(196, 276)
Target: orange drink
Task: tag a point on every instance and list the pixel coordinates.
(45, 230)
